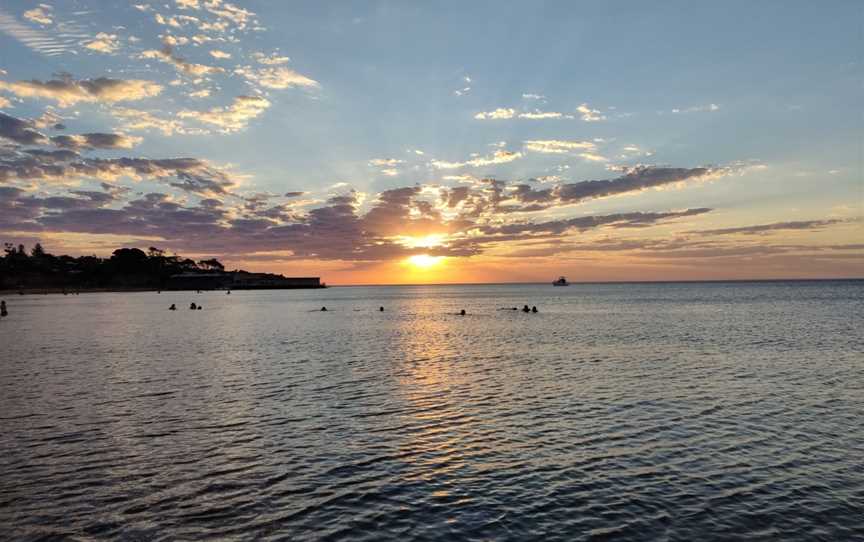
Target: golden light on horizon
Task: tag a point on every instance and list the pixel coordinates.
(424, 261)
(427, 241)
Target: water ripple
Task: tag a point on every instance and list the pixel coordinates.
(619, 412)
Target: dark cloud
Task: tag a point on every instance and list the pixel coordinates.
(584, 223)
(634, 180)
(478, 216)
(94, 141)
(67, 91)
(776, 226)
(189, 174)
(20, 131)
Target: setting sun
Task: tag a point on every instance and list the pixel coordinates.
(424, 260)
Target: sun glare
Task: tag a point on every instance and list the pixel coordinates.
(424, 260)
(428, 241)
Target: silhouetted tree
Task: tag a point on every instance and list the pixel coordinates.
(212, 265)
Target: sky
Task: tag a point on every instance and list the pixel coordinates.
(387, 142)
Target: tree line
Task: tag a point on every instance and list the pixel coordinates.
(126, 268)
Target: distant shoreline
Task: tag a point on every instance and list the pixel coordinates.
(577, 283)
(116, 290)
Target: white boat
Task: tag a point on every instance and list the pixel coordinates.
(561, 282)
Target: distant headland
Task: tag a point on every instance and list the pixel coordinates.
(129, 269)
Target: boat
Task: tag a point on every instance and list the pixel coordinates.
(561, 282)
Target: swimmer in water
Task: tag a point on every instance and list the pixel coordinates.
(526, 309)
(3, 311)
(534, 309)
(192, 307)
(173, 307)
(462, 312)
(323, 309)
(380, 309)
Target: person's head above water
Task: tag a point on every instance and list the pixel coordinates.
(381, 309)
(533, 309)
(462, 312)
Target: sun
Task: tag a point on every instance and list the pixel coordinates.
(424, 260)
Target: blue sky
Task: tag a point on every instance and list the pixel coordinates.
(752, 110)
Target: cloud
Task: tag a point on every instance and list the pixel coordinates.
(384, 162)
(531, 96)
(190, 174)
(635, 179)
(697, 108)
(500, 113)
(40, 15)
(775, 226)
(4, 102)
(557, 146)
(276, 77)
(503, 113)
(590, 115)
(166, 54)
(498, 157)
(219, 54)
(20, 131)
(539, 115)
(232, 118)
(272, 60)
(584, 223)
(47, 44)
(103, 43)
(68, 92)
(96, 141)
(136, 119)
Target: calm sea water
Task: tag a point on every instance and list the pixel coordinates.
(627, 412)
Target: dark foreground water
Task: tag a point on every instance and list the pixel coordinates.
(642, 412)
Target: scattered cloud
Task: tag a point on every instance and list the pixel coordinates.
(273, 59)
(232, 118)
(103, 43)
(48, 44)
(557, 146)
(41, 14)
(696, 109)
(67, 92)
(500, 113)
(590, 115)
(276, 78)
(166, 54)
(498, 157)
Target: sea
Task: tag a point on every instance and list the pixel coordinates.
(657, 411)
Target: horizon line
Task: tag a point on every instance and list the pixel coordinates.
(574, 283)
